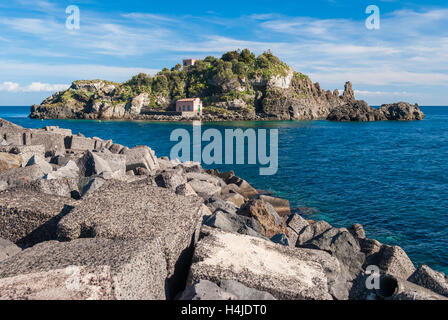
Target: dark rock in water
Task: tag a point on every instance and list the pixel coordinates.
(280, 238)
(28, 217)
(139, 210)
(401, 111)
(7, 249)
(304, 211)
(359, 110)
(435, 281)
(355, 111)
(86, 269)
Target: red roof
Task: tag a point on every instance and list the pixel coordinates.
(187, 100)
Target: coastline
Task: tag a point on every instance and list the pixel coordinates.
(239, 210)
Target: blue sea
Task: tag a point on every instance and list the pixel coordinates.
(392, 177)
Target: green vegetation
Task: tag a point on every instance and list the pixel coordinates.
(236, 75)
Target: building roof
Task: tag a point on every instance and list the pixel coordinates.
(188, 99)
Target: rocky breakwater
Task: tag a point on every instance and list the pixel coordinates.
(85, 218)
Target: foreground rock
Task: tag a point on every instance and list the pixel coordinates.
(226, 290)
(7, 249)
(139, 210)
(341, 244)
(19, 176)
(262, 265)
(86, 269)
(394, 261)
(426, 277)
(396, 288)
(28, 217)
(9, 161)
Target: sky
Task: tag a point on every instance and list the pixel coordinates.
(406, 59)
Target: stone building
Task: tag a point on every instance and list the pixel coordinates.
(190, 105)
(188, 62)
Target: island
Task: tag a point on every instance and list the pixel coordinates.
(237, 86)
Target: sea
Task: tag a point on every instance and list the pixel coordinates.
(391, 177)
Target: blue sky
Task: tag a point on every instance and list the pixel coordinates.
(406, 59)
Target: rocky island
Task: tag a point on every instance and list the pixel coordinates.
(86, 218)
(237, 86)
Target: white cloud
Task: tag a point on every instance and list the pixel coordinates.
(33, 87)
(381, 93)
(9, 86)
(11, 69)
(148, 16)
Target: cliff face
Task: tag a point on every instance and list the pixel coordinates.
(303, 100)
(236, 86)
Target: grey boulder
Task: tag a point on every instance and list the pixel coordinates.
(226, 290)
(231, 222)
(120, 210)
(140, 156)
(19, 176)
(341, 244)
(28, 217)
(86, 269)
(435, 281)
(284, 272)
(7, 249)
(43, 165)
(69, 170)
